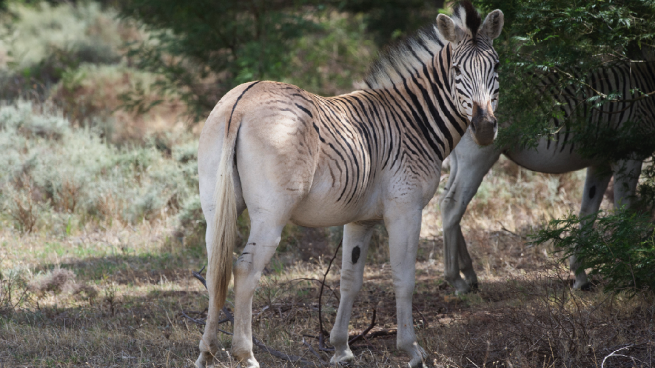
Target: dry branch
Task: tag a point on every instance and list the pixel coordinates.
(321, 330)
(257, 342)
(369, 328)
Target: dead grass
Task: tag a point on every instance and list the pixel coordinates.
(92, 95)
(525, 315)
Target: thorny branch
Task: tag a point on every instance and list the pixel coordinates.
(321, 330)
(601, 94)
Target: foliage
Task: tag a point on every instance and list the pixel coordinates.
(620, 247)
(563, 36)
(40, 43)
(204, 48)
(566, 41)
(389, 19)
(329, 60)
(58, 178)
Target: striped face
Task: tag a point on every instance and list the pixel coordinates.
(474, 84)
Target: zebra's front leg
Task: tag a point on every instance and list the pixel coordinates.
(594, 188)
(469, 164)
(356, 238)
(404, 229)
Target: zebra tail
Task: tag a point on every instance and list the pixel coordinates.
(219, 271)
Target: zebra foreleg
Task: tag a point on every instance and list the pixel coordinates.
(465, 262)
(262, 242)
(404, 228)
(356, 238)
(592, 196)
(469, 164)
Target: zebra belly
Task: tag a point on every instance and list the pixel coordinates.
(550, 159)
(327, 204)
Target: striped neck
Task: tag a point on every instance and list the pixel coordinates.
(430, 107)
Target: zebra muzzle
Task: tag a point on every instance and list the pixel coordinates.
(484, 125)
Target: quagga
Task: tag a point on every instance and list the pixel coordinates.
(357, 159)
(470, 163)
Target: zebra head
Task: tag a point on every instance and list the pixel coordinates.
(473, 72)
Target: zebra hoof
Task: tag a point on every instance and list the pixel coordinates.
(342, 358)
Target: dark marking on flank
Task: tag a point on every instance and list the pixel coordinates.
(592, 192)
(356, 253)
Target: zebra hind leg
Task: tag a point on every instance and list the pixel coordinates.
(465, 263)
(262, 242)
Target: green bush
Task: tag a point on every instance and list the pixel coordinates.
(619, 247)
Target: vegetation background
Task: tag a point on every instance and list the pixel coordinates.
(100, 221)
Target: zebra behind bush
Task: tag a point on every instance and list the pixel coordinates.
(558, 154)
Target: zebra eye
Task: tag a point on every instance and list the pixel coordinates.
(496, 67)
(458, 72)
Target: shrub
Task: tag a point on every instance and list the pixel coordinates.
(85, 31)
(40, 43)
(60, 281)
(619, 247)
(50, 171)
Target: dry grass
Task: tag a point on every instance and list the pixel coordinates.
(92, 95)
(111, 292)
(525, 314)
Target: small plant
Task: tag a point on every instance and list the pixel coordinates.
(57, 281)
(13, 290)
(21, 206)
(618, 246)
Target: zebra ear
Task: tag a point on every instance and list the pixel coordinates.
(447, 28)
(493, 24)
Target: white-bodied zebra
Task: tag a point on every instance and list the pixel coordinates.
(470, 163)
(357, 159)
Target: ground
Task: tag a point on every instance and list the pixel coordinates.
(131, 300)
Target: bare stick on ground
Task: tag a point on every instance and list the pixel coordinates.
(321, 330)
(261, 345)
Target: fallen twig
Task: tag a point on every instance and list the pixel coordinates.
(281, 355)
(369, 328)
(261, 345)
(319, 281)
(321, 331)
(356, 337)
(316, 354)
(614, 353)
(425, 321)
(200, 321)
(383, 333)
(502, 227)
(199, 277)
